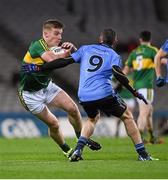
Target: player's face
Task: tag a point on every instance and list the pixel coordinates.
(53, 36)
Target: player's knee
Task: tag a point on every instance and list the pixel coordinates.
(54, 125)
(127, 115)
(73, 110)
(95, 119)
(141, 126)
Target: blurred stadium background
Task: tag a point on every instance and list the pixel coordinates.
(21, 22)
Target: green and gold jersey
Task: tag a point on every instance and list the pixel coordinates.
(34, 81)
(142, 61)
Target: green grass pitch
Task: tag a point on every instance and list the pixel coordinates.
(41, 158)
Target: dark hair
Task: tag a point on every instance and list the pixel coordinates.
(52, 23)
(109, 36)
(145, 35)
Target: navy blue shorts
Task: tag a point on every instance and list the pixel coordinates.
(110, 105)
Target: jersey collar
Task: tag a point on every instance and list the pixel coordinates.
(105, 45)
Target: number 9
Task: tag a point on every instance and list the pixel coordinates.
(96, 65)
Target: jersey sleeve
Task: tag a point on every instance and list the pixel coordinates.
(77, 55)
(129, 61)
(37, 49)
(164, 47)
(117, 61)
(155, 50)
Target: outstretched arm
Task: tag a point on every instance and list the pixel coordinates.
(120, 76)
(58, 63)
(55, 64)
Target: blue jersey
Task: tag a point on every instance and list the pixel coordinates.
(96, 63)
(164, 47)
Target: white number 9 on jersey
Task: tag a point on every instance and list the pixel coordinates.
(139, 62)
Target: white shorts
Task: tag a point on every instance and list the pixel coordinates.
(36, 101)
(148, 94)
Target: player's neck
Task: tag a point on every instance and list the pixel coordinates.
(146, 43)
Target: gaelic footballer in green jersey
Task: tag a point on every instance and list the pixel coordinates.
(37, 91)
(35, 81)
(142, 62)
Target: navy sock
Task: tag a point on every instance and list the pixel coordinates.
(140, 148)
(65, 147)
(82, 141)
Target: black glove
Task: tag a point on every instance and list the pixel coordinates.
(140, 96)
(160, 81)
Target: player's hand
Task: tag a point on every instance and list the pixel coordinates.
(140, 96)
(160, 81)
(69, 46)
(30, 68)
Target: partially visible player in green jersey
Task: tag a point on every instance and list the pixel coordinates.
(141, 61)
(37, 91)
(127, 96)
(125, 93)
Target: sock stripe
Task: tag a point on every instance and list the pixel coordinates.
(82, 140)
(139, 146)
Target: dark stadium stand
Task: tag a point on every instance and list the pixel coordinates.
(22, 21)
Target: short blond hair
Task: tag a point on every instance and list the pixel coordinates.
(53, 23)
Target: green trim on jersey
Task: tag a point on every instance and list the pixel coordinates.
(44, 44)
(142, 61)
(34, 81)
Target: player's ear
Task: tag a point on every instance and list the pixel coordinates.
(101, 38)
(45, 34)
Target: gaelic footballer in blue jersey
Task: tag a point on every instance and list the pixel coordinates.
(96, 94)
(37, 92)
(160, 58)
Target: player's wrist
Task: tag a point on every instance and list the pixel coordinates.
(135, 92)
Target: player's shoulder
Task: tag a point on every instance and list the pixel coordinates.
(135, 50)
(165, 44)
(166, 41)
(84, 47)
(108, 49)
(99, 47)
(37, 41)
(154, 48)
(40, 43)
(88, 45)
